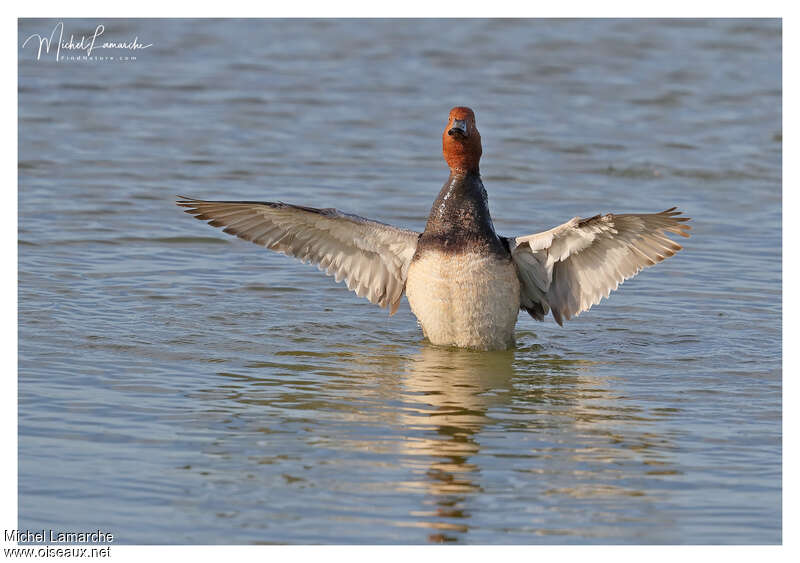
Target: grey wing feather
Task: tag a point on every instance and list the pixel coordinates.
(371, 257)
(575, 265)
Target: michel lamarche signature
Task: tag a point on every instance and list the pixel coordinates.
(87, 43)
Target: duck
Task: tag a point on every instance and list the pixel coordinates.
(465, 283)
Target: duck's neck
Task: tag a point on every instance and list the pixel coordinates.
(461, 213)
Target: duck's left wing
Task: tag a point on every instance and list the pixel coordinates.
(372, 257)
(573, 266)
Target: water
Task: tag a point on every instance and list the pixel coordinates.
(177, 385)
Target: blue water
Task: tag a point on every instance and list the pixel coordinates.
(177, 385)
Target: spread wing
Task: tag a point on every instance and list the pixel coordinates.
(370, 256)
(573, 266)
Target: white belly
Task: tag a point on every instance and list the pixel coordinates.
(468, 300)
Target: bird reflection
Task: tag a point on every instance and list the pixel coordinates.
(454, 389)
(463, 430)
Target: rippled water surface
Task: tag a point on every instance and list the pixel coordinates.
(177, 385)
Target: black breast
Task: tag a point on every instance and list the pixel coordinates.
(459, 220)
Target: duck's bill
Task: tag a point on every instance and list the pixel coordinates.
(459, 128)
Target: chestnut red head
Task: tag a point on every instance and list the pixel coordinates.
(461, 142)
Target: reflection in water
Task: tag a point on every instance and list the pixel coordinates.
(455, 388)
(465, 397)
(564, 438)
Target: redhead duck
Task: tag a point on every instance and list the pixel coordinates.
(464, 282)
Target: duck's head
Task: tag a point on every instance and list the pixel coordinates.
(461, 142)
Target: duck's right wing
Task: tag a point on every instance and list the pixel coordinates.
(370, 256)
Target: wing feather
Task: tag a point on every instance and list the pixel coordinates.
(573, 266)
(371, 257)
